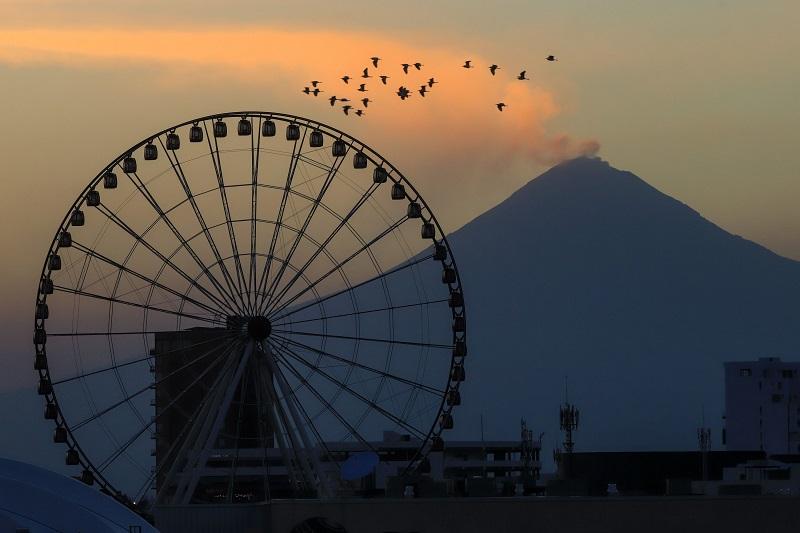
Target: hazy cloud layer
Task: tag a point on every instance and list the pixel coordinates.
(283, 61)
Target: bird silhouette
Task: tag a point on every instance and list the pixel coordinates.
(307, 90)
(522, 75)
(418, 65)
(314, 83)
(359, 112)
(422, 90)
(551, 58)
(366, 73)
(384, 78)
(375, 60)
(317, 91)
(431, 82)
(344, 99)
(467, 64)
(403, 93)
(332, 100)
(500, 106)
(405, 67)
(345, 79)
(362, 88)
(365, 101)
(346, 109)
(493, 69)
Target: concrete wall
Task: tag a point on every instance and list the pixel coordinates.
(499, 515)
(506, 515)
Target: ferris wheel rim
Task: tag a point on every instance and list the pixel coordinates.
(373, 156)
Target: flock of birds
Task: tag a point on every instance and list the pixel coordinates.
(403, 92)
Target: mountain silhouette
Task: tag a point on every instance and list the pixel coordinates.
(588, 272)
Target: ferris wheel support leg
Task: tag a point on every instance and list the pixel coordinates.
(277, 420)
(196, 432)
(310, 452)
(219, 419)
(298, 448)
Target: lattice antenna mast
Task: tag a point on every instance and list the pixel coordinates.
(570, 418)
(704, 442)
(527, 454)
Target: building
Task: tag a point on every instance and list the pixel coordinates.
(762, 406)
(184, 375)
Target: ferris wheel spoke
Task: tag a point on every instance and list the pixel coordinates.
(139, 184)
(278, 306)
(323, 189)
(388, 308)
(134, 361)
(309, 421)
(157, 382)
(296, 149)
(221, 300)
(367, 194)
(217, 161)
(356, 364)
(255, 157)
(394, 418)
(364, 339)
(343, 291)
(328, 407)
(190, 197)
(133, 304)
(96, 255)
(113, 457)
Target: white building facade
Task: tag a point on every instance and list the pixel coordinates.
(762, 406)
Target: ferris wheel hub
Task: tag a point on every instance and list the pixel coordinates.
(259, 327)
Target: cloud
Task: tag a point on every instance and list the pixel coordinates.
(458, 117)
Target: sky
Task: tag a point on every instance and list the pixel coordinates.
(697, 97)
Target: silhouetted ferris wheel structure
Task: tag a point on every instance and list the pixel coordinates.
(227, 316)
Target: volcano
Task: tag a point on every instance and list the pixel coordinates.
(588, 275)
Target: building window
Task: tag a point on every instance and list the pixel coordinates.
(776, 398)
(745, 372)
(787, 374)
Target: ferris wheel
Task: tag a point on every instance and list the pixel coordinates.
(229, 316)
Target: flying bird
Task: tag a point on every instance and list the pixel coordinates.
(346, 109)
(345, 78)
(403, 92)
(366, 73)
(405, 67)
(551, 58)
(362, 88)
(315, 83)
(365, 101)
(317, 91)
(332, 100)
(375, 61)
(418, 65)
(422, 90)
(307, 90)
(493, 69)
(344, 99)
(359, 112)
(522, 75)
(500, 106)
(431, 82)
(384, 78)
(467, 64)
